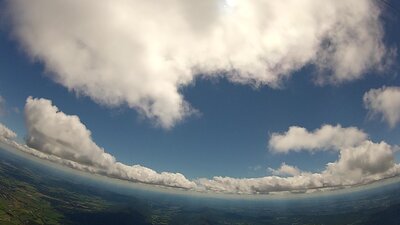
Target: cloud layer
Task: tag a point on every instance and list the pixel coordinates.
(325, 138)
(358, 163)
(384, 102)
(141, 53)
(363, 164)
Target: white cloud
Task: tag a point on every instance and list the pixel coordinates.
(62, 138)
(5, 132)
(366, 159)
(324, 138)
(355, 166)
(62, 135)
(384, 101)
(141, 53)
(149, 176)
(285, 170)
(359, 165)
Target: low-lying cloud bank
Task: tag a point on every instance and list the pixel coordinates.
(5, 132)
(359, 165)
(63, 139)
(141, 53)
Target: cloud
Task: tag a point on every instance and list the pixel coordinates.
(149, 176)
(255, 168)
(62, 135)
(365, 163)
(385, 102)
(62, 138)
(366, 159)
(5, 132)
(141, 53)
(324, 138)
(285, 170)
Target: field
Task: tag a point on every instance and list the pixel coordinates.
(35, 194)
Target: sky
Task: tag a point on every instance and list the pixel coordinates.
(205, 98)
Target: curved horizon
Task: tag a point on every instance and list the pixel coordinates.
(21, 151)
(231, 97)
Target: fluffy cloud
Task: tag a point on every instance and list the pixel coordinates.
(366, 159)
(384, 101)
(326, 137)
(5, 132)
(141, 53)
(63, 139)
(62, 135)
(360, 162)
(365, 163)
(285, 170)
(145, 175)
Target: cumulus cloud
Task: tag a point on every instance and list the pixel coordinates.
(366, 159)
(385, 102)
(62, 135)
(360, 162)
(64, 139)
(285, 170)
(141, 53)
(5, 132)
(324, 138)
(365, 163)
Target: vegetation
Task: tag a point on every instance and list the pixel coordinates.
(29, 194)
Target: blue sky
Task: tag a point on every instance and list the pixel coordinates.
(229, 136)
